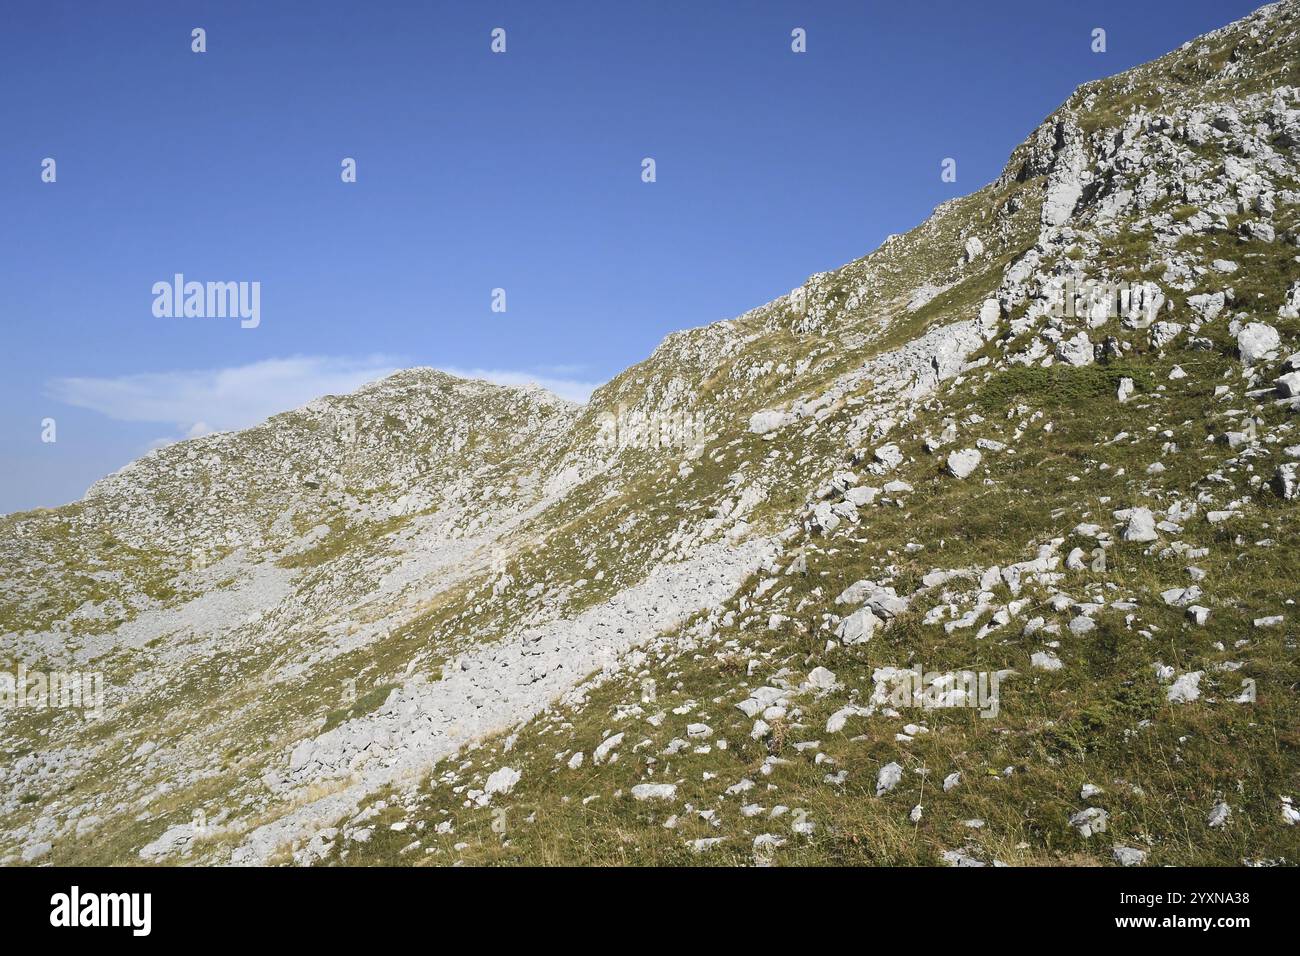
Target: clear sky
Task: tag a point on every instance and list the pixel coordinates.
(475, 171)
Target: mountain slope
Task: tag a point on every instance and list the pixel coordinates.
(442, 621)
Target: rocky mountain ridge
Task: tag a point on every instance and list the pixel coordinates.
(1046, 437)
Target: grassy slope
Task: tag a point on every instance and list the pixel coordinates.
(1102, 719)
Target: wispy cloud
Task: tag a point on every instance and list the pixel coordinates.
(199, 401)
(574, 390)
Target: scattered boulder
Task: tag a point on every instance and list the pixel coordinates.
(602, 752)
(654, 791)
(1141, 526)
(760, 423)
(822, 678)
(962, 463)
(1186, 688)
(1288, 385)
(858, 627)
(1257, 341)
(501, 781)
(1218, 816)
(1207, 305)
(1286, 480)
(1090, 821)
(888, 777)
(1045, 661)
(1129, 856)
(1077, 351)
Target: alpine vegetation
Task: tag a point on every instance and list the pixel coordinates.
(977, 550)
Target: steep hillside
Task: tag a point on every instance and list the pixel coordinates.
(979, 549)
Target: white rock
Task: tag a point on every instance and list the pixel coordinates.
(962, 463)
(1045, 661)
(888, 777)
(1129, 856)
(1218, 815)
(599, 755)
(858, 627)
(741, 786)
(990, 311)
(501, 781)
(1290, 816)
(1257, 341)
(835, 723)
(1075, 351)
(1064, 189)
(888, 457)
(821, 678)
(1141, 526)
(654, 791)
(1288, 385)
(760, 423)
(1181, 597)
(36, 851)
(1286, 480)
(1186, 688)
(1090, 821)
(1207, 305)
(861, 496)
(1162, 333)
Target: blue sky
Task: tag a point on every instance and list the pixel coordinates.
(475, 171)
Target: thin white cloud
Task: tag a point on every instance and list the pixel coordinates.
(570, 369)
(568, 388)
(197, 402)
(200, 401)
